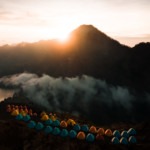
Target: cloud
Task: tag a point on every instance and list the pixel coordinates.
(86, 96)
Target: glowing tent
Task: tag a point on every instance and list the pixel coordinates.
(101, 131)
(116, 133)
(131, 131)
(90, 137)
(64, 133)
(132, 140)
(85, 128)
(108, 132)
(71, 122)
(31, 124)
(43, 113)
(72, 133)
(26, 118)
(15, 112)
(93, 129)
(39, 126)
(77, 127)
(63, 124)
(56, 131)
(48, 129)
(124, 141)
(81, 135)
(19, 117)
(48, 122)
(44, 117)
(115, 140)
(124, 134)
(56, 123)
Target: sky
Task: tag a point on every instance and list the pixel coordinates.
(33, 20)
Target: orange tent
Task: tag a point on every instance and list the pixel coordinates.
(93, 129)
(71, 122)
(108, 132)
(101, 131)
(63, 124)
(81, 136)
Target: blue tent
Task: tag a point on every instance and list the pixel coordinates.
(39, 126)
(132, 140)
(115, 140)
(48, 129)
(124, 141)
(48, 122)
(31, 124)
(72, 133)
(64, 133)
(131, 131)
(56, 131)
(84, 128)
(19, 117)
(26, 118)
(56, 123)
(124, 134)
(76, 127)
(116, 133)
(90, 137)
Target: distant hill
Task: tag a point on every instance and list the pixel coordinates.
(88, 51)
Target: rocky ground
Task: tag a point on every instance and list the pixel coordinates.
(15, 135)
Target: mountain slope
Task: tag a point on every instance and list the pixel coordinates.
(89, 51)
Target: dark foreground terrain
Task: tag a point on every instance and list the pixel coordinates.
(15, 135)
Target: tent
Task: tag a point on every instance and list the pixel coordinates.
(81, 135)
(15, 112)
(132, 140)
(64, 133)
(99, 137)
(71, 122)
(9, 109)
(19, 117)
(101, 131)
(124, 141)
(56, 131)
(48, 122)
(85, 128)
(77, 127)
(56, 123)
(72, 133)
(48, 129)
(31, 124)
(115, 140)
(93, 129)
(108, 132)
(116, 133)
(131, 131)
(52, 117)
(39, 126)
(43, 113)
(26, 118)
(63, 124)
(124, 134)
(44, 117)
(90, 137)
(26, 111)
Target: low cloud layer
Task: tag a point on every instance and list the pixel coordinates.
(86, 96)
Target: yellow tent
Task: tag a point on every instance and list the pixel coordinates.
(15, 112)
(44, 117)
(71, 122)
(43, 113)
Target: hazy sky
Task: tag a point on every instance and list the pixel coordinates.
(32, 20)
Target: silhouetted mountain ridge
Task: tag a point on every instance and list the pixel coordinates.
(88, 51)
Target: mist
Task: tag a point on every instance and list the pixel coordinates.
(92, 98)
